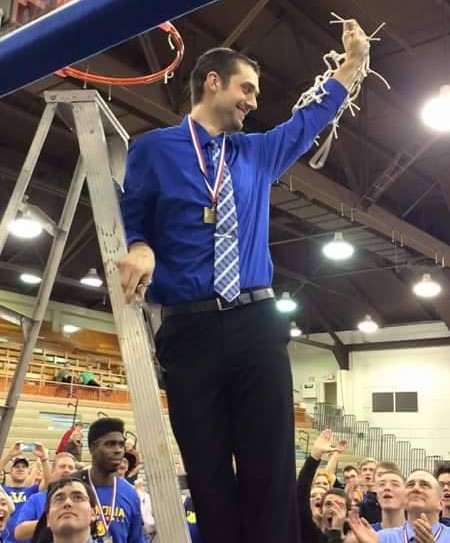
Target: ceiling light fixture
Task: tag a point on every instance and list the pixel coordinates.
(338, 248)
(426, 287)
(436, 112)
(295, 330)
(25, 227)
(70, 328)
(30, 278)
(286, 304)
(368, 325)
(91, 279)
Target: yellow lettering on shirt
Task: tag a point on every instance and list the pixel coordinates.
(119, 513)
(191, 517)
(18, 497)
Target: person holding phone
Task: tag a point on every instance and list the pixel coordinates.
(18, 490)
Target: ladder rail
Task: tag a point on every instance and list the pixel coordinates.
(26, 172)
(103, 145)
(131, 330)
(42, 299)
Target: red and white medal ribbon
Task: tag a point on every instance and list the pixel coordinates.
(436, 536)
(213, 191)
(100, 508)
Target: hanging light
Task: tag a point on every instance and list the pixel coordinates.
(368, 325)
(426, 287)
(70, 328)
(295, 330)
(436, 112)
(30, 278)
(25, 227)
(338, 249)
(286, 304)
(92, 279)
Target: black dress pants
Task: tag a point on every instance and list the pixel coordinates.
(229, 389)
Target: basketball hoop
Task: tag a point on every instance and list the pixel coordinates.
(175, 41)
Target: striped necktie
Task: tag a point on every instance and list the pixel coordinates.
(226, 250)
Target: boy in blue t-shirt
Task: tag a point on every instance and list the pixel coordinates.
(63, 466)
(31, 511)
(118, 506)
(19, 472)
(19, 494)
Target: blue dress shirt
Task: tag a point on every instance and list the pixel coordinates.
(165, 194)
(397, 535)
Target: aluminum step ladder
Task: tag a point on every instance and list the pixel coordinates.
(103, 147)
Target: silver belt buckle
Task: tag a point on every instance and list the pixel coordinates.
(223, 305)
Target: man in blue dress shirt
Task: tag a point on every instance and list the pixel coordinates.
(423, 506)
(196, 212)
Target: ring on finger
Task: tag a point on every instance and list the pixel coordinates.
(144, 285)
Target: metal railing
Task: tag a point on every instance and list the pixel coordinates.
(371, 441)
(132, 436)
(74, 404)
(303, 441)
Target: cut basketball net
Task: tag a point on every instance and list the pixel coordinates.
(315, 94)
(175, 42)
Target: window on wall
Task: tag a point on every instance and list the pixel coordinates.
(395, 402)
(383, 402)
(406, 402)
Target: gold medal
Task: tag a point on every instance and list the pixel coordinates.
(100, 528)
(210, 215)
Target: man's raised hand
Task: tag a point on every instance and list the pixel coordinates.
(323, 445)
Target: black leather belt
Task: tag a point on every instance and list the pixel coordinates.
(218, 304)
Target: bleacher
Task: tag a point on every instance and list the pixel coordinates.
(45, 420)
(43, 413)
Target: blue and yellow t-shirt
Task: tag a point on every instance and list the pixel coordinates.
(126, 526)
(19, 498)
(191, 519)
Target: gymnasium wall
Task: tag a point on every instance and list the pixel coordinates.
(422, 370)
(425, 371)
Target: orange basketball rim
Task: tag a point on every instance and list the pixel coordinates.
(175, 41)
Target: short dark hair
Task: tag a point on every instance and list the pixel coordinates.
(61, 483)
(443, 467)
(341, 493)
(103, 426)
(350, 468)
(222, 60)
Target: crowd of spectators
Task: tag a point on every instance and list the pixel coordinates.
(373, 502)
(367, 502)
